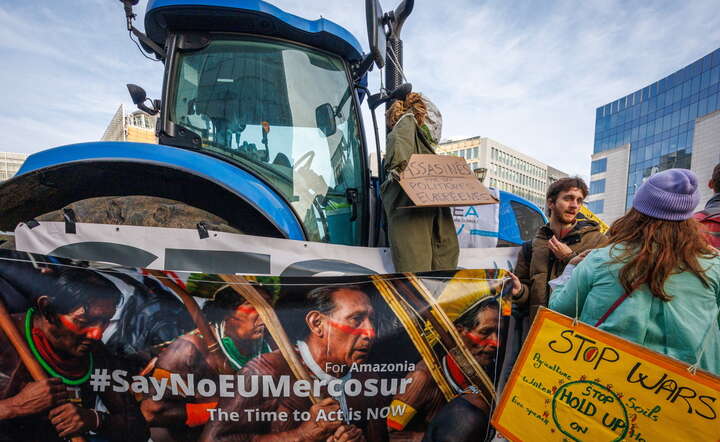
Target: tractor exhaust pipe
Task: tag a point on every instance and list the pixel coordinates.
(394, 55)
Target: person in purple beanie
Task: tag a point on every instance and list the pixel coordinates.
(658, 282)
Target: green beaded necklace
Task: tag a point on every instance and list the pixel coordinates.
(237, 359)
(43, 363)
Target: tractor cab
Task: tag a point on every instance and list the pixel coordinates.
(259, 131)
(273, 94)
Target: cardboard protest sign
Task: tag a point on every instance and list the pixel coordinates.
(575, 382)
(199, 356)
(442, 181)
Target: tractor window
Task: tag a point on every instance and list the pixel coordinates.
(286, 113)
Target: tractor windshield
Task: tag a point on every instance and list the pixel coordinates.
(285, 112)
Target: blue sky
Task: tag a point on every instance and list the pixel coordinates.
(526, 73)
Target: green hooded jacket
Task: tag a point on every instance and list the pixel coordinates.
(421, 238)
(677, 328)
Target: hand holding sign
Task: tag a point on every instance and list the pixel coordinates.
(442, 181)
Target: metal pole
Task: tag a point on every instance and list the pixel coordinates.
(393, 77)
(394, 48)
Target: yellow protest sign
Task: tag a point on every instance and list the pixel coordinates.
(582, 384)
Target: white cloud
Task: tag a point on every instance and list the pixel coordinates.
(531, 75)
(65, 72)
(528, 74)
(42, 135)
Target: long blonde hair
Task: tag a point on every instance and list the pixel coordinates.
(414, 103)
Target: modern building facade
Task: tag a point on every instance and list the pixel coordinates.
(505, 168)
(10, 164)
(553, 175)
(671, 123)
(137, 126)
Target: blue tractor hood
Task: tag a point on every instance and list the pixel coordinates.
(54, 178)
(251, 17)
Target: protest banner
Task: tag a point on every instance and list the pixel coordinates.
(588, 214)
(478, 226)
(195, 356)
(575, 382)
(184, 250)
(442, 181)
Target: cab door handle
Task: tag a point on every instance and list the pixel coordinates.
(352, 196)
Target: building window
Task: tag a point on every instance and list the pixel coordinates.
(597, 186)
(596, 206)
(598, 166)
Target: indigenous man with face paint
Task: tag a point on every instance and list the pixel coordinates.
(63, 331)
(340, 333)
(240, 332)
(478, 328)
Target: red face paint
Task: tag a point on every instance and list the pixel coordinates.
(369, 332)
(94, 332)
(247, 309)
(477, 340)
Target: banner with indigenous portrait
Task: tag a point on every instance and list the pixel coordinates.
(113, 353)
(186, 250)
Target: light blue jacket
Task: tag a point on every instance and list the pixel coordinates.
(676, 328)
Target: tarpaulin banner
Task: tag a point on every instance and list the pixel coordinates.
(220, 252)
(575, 382)
(134, 353)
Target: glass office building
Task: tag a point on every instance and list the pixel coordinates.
(656, 125)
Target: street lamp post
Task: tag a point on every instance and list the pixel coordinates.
(480, 173)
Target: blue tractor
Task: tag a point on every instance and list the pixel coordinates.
(259, 126)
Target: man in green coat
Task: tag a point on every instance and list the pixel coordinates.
(421, 238)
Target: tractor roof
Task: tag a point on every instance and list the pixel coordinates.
(247, 16)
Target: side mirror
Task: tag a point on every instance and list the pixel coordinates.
(137, 94)
(139, 97)
(325, 119)
(376, 31)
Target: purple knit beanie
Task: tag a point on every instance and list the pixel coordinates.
(671, 195)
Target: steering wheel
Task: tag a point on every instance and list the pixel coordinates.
(307, 157)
